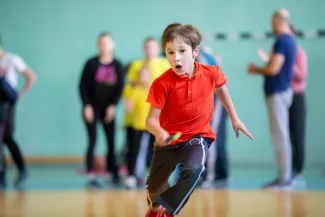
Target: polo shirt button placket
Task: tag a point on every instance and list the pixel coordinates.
(190, 88)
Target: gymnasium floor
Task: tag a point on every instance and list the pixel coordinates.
(54, 190)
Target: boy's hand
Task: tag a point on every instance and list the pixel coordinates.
(161, 138)
(238, 125)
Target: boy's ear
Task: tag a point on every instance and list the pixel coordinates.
(196, 52)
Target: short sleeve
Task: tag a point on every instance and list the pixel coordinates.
(132, 73)
(280, 46)
(157, 96)
(127, 91)
(220, 78)
(19, 63)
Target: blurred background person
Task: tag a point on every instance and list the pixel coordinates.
(136, 102)
(217, 163)
(297, 112)
(11, 66)
(101, 87)
(278, 74)
(156, 66)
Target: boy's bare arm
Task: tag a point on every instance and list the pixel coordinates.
(224, 96)
(153, 126)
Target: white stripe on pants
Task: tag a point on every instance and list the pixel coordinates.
(278, 110)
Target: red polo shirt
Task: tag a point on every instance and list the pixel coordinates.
(186, 103)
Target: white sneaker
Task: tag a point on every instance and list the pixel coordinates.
(278, 185)
(222, 183)
(131, 182)
(207, 184)
(298, 182)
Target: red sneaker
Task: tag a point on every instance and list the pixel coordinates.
(151, 213)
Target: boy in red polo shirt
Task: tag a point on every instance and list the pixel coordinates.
(182, 101)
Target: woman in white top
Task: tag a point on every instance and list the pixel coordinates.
(11, 66)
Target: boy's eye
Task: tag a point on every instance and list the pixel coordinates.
(170, 52)
(182, 51)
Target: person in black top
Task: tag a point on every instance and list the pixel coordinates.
(100, 88)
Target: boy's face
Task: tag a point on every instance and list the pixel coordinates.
(180, 56)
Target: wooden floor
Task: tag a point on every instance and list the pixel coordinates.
(203, 203)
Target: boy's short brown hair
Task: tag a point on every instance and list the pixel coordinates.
(189, 34)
